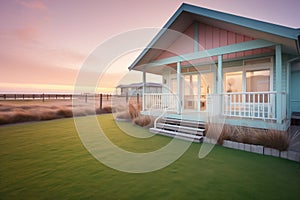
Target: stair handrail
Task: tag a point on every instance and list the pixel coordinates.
(160, 116)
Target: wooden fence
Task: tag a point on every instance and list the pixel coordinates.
(35, 96)
(101, 98)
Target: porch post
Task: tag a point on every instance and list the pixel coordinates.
(144, 90)
(278, 63)
(199, 92)
(220, 74)
(220, 82)
(178, 88)
(288, 105)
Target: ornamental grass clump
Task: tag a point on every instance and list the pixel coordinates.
(143, 121)
(134, 111)
(247, 135)
(268, 138)
(214, 131)
(274, 139)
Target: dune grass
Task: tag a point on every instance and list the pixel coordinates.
(46, 160)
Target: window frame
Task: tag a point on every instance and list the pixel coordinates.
(252, 67)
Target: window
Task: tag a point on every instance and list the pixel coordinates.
(173, 85)
(258, 81)
(190, 84)
(254, 76)
(190, 91)
(233, 81)
(207, 83)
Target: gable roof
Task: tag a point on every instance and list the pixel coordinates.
(187, 14)
(139, 85)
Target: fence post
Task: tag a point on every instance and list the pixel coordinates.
(126, 97)
(15, 96)
(100, 102)
(43, 95)
(85, 98)
(138, 98)
(107, 97)
(33, 96)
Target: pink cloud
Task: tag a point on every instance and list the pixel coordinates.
(38, 5)
(28, 33)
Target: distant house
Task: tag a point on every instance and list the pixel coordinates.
(244, 69)
(137, 88)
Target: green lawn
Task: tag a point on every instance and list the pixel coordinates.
(47, 160)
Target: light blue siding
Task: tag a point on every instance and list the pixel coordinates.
(295, 91)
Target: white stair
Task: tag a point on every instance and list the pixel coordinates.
(182, 129)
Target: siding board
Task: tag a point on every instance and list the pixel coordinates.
(231, 40)
(211, 37)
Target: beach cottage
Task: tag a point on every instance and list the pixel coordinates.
(214, 63)
(137, 88)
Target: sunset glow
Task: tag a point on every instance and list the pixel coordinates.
(44, 43)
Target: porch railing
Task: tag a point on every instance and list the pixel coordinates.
(160, 101)
(255, 105)
(284, 108)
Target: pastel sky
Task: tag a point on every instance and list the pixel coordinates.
(45, 42)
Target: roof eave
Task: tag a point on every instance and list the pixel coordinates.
(266, 27)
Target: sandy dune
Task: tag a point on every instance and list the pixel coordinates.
(34, 110)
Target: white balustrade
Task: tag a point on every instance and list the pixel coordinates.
(160, 101)
(255, 105)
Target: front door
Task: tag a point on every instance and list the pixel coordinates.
(196, 88)
(295, 92)
(206, 88)
(190, 93)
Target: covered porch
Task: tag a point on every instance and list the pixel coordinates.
(189, 97)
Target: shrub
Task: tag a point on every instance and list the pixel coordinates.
(133, 111)
(64, 113)
(22, 116)
(107, 109)
(5, 119)
(246, 135)
(268, 138)
(143, 121)
(227, 133)
(214, 131)
(48, 115)
(274, 139)
(123, 115)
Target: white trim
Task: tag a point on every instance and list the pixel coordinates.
(144, 89)
(179, 88)
(233, 48)
(232, 69)
(199, 93)
(207, 69)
